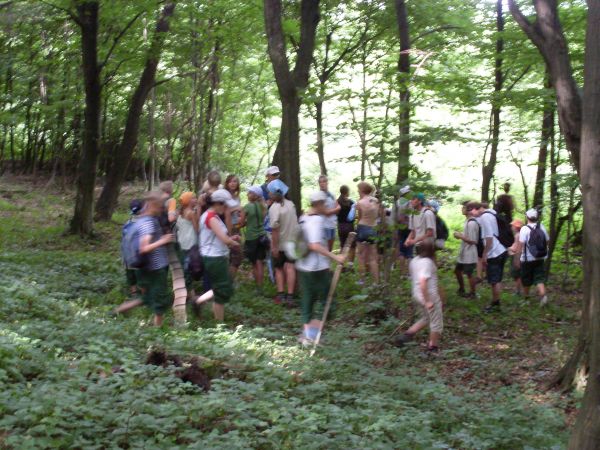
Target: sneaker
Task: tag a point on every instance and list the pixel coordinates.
(279, 299)
(544, 300)
(433, 349)
(289, 301)
(470, 295)
(492, 307)
(403, 339)
(460, 292)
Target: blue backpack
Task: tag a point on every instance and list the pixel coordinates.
(130, 245)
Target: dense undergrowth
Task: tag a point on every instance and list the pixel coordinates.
(72, 376)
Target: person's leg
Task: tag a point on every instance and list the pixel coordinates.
(259, 273)
(527, 277)
(290, 276)
(128, 305)
(459, 278)
(158, 320)
(362, 260)
(218, 311)
(479, 270)
(472, 284)
(373, 257)
(434, 340)
(436, 325)
(496, 291)
(306, 297)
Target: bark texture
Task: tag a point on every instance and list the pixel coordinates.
(403, 84)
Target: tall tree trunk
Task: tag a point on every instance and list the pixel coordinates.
(403, 82)
(210, 114)
(489, 167)
(320, 146)
(124, 151)
(87, 16)
(586, 434)
(547, 133)
(554, 202)
(290, 85)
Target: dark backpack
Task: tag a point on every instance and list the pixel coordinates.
(441, 230)
(480, 243)
(130, 245)
(537, 244)
(196, 266)
(505, 234)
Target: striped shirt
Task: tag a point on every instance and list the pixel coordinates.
(157, 258)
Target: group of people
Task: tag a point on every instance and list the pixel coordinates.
(206, 232)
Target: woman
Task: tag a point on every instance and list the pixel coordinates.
(187, 237)
(233, 217)
(367, 210)
(214, 248)
(346, 220)
(256, 244)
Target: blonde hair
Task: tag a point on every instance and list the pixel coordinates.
(166, 187)
(365, 188)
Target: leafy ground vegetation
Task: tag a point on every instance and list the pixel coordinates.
(72, 376)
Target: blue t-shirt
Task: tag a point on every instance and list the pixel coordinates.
(157, 258)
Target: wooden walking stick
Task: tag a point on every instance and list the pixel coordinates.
(332, 287)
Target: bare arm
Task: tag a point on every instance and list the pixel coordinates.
(275, 241)
(146, 246)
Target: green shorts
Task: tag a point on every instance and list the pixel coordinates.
(314, 287)
(155, 293)
(533, 272)
(131, 277)
(216, 269)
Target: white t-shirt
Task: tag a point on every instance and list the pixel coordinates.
(489, 228)
(420, 268)
(421, 222)
(210, 244)
(468, 252)
(313, 227)
(330, 221)
(524, 239)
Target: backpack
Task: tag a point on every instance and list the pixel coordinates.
(130, 245)
(298, 247)
(480, 244)
(441, 230)
(195, 264)
(505, 235)
(537, 244)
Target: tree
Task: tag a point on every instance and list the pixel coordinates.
(290, 84)
(124, 151)
(403, 82)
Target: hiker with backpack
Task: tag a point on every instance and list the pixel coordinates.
(466, 262)
(367, 210)
(426, 297)
(283, 222)
(257, 242)
(441, 229)
(345, 220)
(496, 237)
(214, 248)
(515, 271)
(531, 253)
(333, 208)
(313, 268)
(421, 223)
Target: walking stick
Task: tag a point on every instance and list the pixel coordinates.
(332, 287)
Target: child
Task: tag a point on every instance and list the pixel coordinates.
(515, 271)
(368, 211)
(187, 237)
(467, 258)
(313, 269)
(426, 297)
(256, 245)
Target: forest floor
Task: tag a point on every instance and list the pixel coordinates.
(74, 376)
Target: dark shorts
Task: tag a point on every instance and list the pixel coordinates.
(495, 268)
(217, 270)
(254, 251)
(155, 293)
(280, 261)
(467, 269)
(533, 272)
(366, 234)
(131, 277)
(405, 251)
(344, 229)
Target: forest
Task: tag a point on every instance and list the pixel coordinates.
(102, 101)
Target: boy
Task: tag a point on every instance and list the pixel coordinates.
(313, 269)
(421, 224)
(426, 297)
(257, 242)
(467, 257)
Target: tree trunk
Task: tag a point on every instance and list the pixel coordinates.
(81, 222)
(489, 167)
(124, 151)
(210, 114)
(403, 81)
(547, 133)
(290, 85)
(320, 146)
(586, 434)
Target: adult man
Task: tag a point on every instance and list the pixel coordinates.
(421, 224)
(466, 262)
(402, 218)
(272, 173)
(530, 253)
(494, 254)
(332, 207)
(284, 222)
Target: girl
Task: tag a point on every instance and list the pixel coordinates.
(187, 236)
(367, 210)
(233, 217)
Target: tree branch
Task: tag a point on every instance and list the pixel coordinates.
(70, 13)
(525, 71)
(529, 28)
(118, 38)
(435, 30)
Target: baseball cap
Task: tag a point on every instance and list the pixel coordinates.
(532, 214)
(135, 206)
(318, 196)
(404, 190)
(420, 196)
(277, 187)
(434, 204)
(223, 196)
(273, 170)
(256, 190)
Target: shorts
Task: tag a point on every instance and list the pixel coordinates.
(495, 268)
(344, 229)
(254, 251)
(217, 270)
(467, 269)
(533, 272)
(131, 277)
(314, 288)
(329, 234)
(281, 260)
(406, 252)
(235, 255)
(366, 234)
(155, 293)
(434, 317)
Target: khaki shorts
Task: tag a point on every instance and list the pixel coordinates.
(434, 317)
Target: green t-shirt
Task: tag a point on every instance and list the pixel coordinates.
(254, 221)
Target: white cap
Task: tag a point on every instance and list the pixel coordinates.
(404, 190)
(223, 196)
(256, 190)
(273, 170)
(318, 196)
(532, 214)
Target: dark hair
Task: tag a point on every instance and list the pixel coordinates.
(426, 249)
(210, 202)
(230, 177)
(344, 190)
(343, 199)
(472, 205)
(505, 205)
